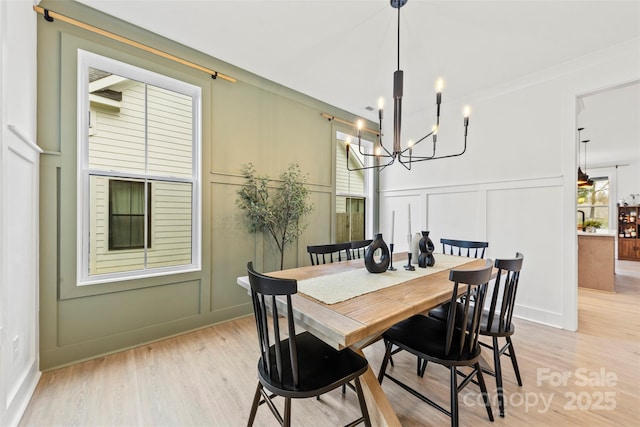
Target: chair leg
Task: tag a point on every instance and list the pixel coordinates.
(422, 367)
(363, 403)
(514, 361)
(454, 396)
(390, 359)
(483, 390)
(254, 405)
(287, 412)
(385, 361)
(498, 372)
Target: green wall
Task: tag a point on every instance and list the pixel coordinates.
(252, 120)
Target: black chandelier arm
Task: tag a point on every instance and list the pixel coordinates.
(419, 141)
(407, 165)
(425, 158)
(380, 156)
(378, 167)
(362, 153)
(389, 154)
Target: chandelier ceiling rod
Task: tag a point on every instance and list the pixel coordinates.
(381, 153)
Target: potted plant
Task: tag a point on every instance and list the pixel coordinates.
(278, 211)
(592, 224)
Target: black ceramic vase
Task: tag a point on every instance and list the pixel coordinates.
(370, 262)
(426, 258)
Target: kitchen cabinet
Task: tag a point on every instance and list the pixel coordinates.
(596, 261)
(628, 230)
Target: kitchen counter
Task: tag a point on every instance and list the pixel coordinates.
(607, 233)
(596, 260)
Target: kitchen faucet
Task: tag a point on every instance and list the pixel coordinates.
(582, 213)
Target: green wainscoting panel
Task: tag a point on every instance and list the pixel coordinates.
(98, 316)
(232, 248)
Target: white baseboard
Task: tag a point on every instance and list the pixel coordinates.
(18, 405)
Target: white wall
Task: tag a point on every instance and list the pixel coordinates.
(515, 185)
(19, 157)
(628, 178)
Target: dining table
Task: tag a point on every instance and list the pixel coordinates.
(346, 306)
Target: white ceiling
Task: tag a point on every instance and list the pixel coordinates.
(611, 122)
(344, 52)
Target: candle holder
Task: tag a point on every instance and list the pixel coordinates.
(391, 267)
(409, 266)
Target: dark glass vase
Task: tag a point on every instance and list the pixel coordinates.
(370, 262)
(426, 258)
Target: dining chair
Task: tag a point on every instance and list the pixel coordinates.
(496, 319)
(452, 344)
(453, 247)
(321, 254)
(468, 248)
(358, 248)
(301, 365)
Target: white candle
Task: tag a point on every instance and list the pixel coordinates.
(409, 213)
(393, 223)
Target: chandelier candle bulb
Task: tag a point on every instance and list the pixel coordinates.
(466, 112)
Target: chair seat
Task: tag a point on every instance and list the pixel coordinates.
(495, 326)
(440, 313)
(425, 337)
(321, 368)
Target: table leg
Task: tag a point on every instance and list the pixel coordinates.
(380, 410)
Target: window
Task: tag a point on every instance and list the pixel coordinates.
(354, 198)
(594, 201)
(127, 219)
(138, 172)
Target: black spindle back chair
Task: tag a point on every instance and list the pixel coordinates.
(297, 366)
(496, 320)
(454, 343)
(321, 254)
(466, 248)
(358, 248)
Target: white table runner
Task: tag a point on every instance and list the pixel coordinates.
(342, 286)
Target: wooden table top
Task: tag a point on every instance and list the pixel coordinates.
(354, 322)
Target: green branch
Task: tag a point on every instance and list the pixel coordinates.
(278, 212)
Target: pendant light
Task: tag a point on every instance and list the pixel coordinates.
(583, 178)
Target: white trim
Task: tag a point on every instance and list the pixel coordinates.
(124, 70)
(552, 181)
(25, 139)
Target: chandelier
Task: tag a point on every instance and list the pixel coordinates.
(583, 178)
(384, 157)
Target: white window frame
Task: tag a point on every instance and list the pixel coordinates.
(85, 61)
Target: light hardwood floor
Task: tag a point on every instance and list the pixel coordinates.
(208, 377)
